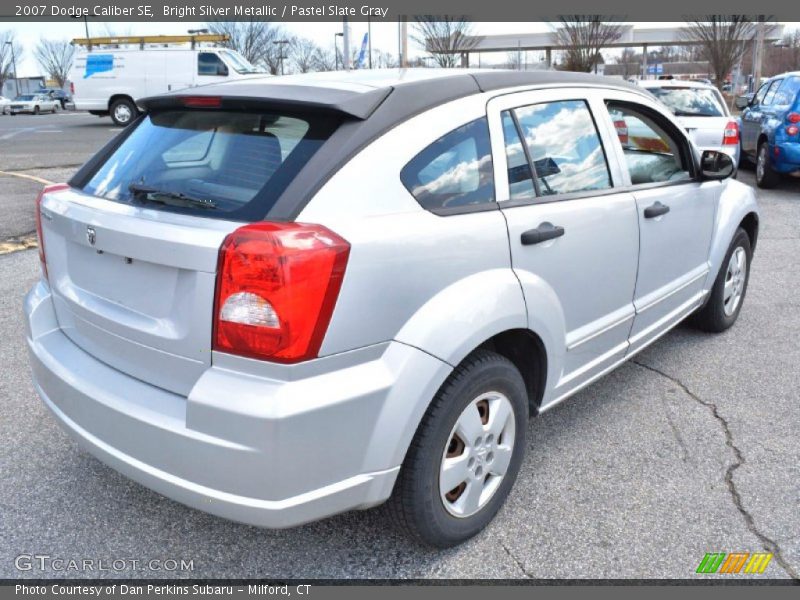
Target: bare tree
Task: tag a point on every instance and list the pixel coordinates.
(301, 54)
(514, 59)
(6, 55)
(324, 60)
(444, 37)
(582, 37)
(55, 58)
(721, 40)
(253, 40)
(627, 60)
(384, 60)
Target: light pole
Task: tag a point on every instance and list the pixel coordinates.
(14, 62)
(336, 50)
(281, 44)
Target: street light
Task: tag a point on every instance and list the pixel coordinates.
(281, 56)
(14, 62)
(336, 50)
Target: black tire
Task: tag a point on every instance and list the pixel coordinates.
(36, 110)
(712, 317)
(416, 504)
(123, 112)
(766, 177)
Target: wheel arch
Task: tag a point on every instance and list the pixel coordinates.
(750, 224)
(116, 97)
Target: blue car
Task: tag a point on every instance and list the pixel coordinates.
(770, 129)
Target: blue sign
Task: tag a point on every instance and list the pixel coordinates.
(98, 63)
(656, 69)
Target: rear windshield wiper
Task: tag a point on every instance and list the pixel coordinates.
(145, 193)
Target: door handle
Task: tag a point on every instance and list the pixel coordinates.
(656, 210)
(545, 231)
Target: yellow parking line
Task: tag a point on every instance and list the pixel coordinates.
(26, 176)
(18, 243)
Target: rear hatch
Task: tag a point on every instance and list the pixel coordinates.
(705, 132)
(701, 110)
(132, 247)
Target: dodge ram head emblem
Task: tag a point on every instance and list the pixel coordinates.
(91, 236)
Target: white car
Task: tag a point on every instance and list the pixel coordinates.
(4, 104)
(34, 104)
(701, 110)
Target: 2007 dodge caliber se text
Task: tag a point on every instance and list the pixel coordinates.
(276, 300)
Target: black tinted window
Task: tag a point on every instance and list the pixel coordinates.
(239, 162)
(454, 171)
(209, 63)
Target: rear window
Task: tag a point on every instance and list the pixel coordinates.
(787, 93)
(221, 164)
(690, 102)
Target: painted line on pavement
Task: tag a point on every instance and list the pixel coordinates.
(26, 176)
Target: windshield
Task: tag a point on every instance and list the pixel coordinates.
(238, 62)
(223, 164)
(690, 102)
(24, 98)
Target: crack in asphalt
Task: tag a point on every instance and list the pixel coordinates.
(519, 564)
(768, 544)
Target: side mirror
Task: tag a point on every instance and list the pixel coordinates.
(716, 165)
(742, 102)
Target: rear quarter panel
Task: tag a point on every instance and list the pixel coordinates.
(441, 284)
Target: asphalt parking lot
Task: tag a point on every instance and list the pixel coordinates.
(692, 448)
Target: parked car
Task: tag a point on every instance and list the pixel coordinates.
(32, 103)
(277, 300)
(58, 94)
(770, 123)
(110, 81)
(702, 111)
(5, 103)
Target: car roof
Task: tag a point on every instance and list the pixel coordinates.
(675, 83)
(359, 93)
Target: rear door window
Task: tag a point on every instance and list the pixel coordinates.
(562, 145)
(455, 171)
(221, 164)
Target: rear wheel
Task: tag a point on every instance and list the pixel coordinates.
(766, 177)
(36, 110)
(123, 111)
(466, 453)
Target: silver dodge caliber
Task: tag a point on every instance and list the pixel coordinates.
(276, 300)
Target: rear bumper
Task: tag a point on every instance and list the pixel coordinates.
(788, 159)
(256, 449)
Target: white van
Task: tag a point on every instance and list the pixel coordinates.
(109, 81)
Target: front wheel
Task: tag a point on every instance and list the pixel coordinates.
(36, 110)
(766, 176)
(466, 453)
(727, 295)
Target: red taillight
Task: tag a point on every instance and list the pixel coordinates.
(793, 117)
(622, 130)
(277, 285)
(201, 101)
(40, 237)
(72, 88)
(731, 135)
(792, 130)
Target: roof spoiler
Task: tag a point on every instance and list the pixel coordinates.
(258, 95)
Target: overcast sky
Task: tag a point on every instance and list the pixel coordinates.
(384, 35)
